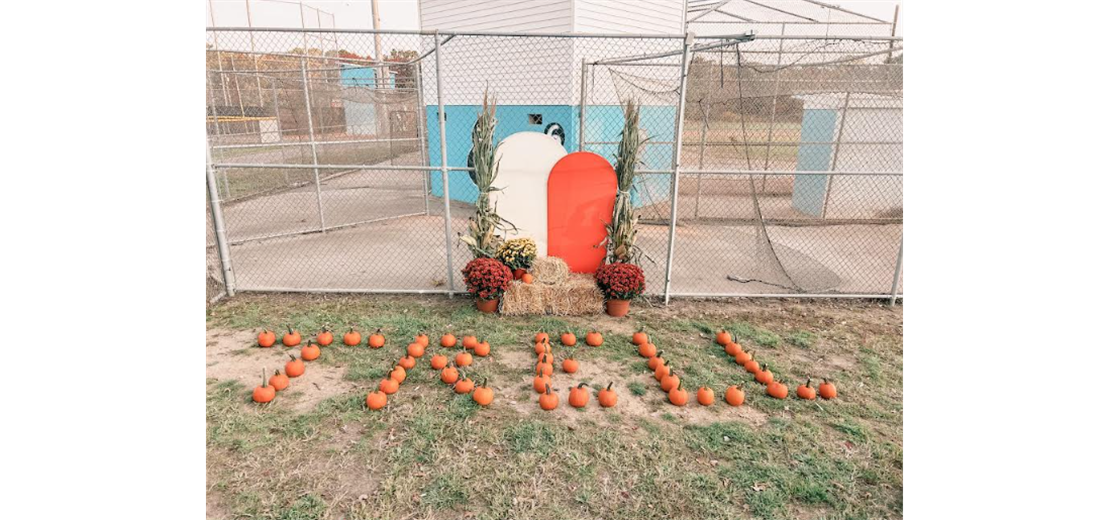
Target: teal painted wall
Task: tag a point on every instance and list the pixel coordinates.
(809, 190)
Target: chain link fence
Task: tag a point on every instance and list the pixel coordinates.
(327, 170)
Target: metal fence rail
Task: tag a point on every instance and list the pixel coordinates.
(338, 158)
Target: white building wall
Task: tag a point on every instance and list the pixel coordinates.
(629, 16)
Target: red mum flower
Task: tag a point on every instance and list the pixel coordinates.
(487, 278)
(620, 281)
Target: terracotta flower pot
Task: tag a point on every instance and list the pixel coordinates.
(518, 273)
(490, 306)
(616, 308)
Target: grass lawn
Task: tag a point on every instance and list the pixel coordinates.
(318, 452)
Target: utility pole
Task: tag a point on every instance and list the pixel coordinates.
(375, 16)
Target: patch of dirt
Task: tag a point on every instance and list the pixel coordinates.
(235, 355)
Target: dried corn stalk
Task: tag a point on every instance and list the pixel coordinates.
(621, 240)
(482, 229)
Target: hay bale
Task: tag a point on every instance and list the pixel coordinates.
(550, 270)
(578, 295)
(522, 299)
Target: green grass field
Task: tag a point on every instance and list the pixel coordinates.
(432, 454)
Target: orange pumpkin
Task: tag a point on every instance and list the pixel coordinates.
(545, 368)
(669, 381)
(541, 337)
(464, 385)
(266, 338)
(483, 395)
(594, 339)
(579, 396)
(734, 395)
(481, 349)
(398, 374)
(264, 393)
(777, 390)
(542, 347)
(705, 396)
(568, 339)
(765, 376)
(389, 386)
(352, 338)
(677, 396)
(415, 350)
(752, 366)
(742, 357)
(448, 340)
(422, 339)
(655, 361)
(324, 337)
(549, 401)
(807, 392)
(377, 339)
(827, 390)
(439, 361)
(295, 367)
(464, 359)
(646, 350)
(310, 352)
(469, 342)
(527, 278)
(570, 365)
(661, 370)
(407, 362)
(607, 397)
(723, 337)
(732, 349)
(449, 375)
(546, 358)
(639, 338)
(291, 338)
(541, 381)
(376, 400)
(279, 381)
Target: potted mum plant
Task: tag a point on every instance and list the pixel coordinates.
(487, 279)
(620, 282)
(518, 254)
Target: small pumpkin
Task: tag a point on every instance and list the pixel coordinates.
(324, 337)
(264, 393)
(464, 359)
(732, 349)
(279, 381)
(647, 350)
(481, 349)
(310, 352)
(579, 396)
(568, 339)
(570, 365)
(545, 368)
(540, 381)
(541, 337)
(377, 339)
(415, 349)
(777, 390)
(827, 390)
(705, 396)
(752, 366)
(398, 374)
(439, 361)
(607, 397)
(469, 342)
(294, 367)
(678, 396)
(765, 376)
(639, 338)
(422, 339)
(548, 400)
(734, 395)
(669, 381)
(594, 339)
(483, 395)
(807, 392)
(376, 400)
(542, 347)
(389, 386)
(448, 340)
(546, 358)
(407, 362)
(267, 338)
(742, 357)
(449, 375)
(654, 361)
(527, 278)
(352, 338)
(291, 338)
(723, 337)
(464, 385)
(661, 369)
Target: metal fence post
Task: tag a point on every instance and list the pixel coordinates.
(218, 220)
(897, 272)
(582, 110)
(312, 143)
(443, 169)
(675, 160)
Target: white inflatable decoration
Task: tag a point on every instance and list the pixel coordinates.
(525, 161)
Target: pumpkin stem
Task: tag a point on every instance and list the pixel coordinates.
(291, 356)
(547, 388)
(610, 387)
(580, 385)
(807, 383)
(484, 381)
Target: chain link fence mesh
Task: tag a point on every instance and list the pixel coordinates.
(327, 154)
